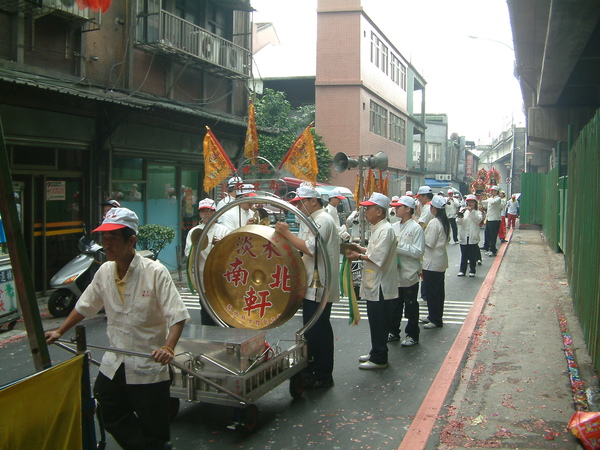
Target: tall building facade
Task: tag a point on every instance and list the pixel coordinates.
(364, 94)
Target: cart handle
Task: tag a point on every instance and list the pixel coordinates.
(172, 362)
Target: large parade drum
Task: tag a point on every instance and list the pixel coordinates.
(254, 278)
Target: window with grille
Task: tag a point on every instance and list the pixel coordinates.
(397, 129)
(378, 119)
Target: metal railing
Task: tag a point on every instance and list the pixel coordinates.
(164, 32)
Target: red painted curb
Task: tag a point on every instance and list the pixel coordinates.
(422, 425)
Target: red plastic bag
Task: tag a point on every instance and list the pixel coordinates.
(586, 427)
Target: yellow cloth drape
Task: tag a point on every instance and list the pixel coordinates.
(251, 143)
(43, 411)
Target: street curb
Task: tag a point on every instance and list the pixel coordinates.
(422, 425)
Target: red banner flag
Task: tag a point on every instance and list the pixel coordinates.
(251, 144)
(95, 5)
(301, 159)
(217, 165)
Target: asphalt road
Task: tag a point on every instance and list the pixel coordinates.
(365, 409)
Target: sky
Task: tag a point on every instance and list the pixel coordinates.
(469, 79)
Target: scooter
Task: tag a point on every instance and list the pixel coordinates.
(77, 274)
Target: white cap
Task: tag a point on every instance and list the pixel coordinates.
(206, 203)
(438, 202)
(494, 188)
(424, 190)
(306, 190)
(471, 197)
(404, 200)
(395, 198)
(409, 193)
(377, 199)
(234, 181)
(119, 218)
(336, 194)
(245, 189)
(450, 191)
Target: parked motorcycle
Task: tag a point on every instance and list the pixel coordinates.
(77, 274)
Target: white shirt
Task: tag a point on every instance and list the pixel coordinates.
(141, 322)
(328, 231)
(512, 207)
(468, 227)
(341, 229)
(425, 215)
(410, 250)
(236, 217)
(451, 208)
(494, 207)
(217, 231)
(381, 271)
(224, 201)
(435, 258)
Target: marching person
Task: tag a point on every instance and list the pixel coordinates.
(410, 250)
(206, 209)
(423, 208)
(435, 262)
(232, 185)
(512, 211)
(468, 221)
(319, 338)
(379, 282)
(493, 212)
(452, 206)
(243, 214)
(145, 314)
(335, 198)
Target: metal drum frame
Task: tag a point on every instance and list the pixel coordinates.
(202, 379)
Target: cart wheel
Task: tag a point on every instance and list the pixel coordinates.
(296, 385)
(249, 418)
(173, 407)
(61, 302)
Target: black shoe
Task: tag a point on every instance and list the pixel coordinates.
(393, 337)
(318, 384)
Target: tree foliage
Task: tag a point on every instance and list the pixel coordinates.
(275, 112)
(154, 237)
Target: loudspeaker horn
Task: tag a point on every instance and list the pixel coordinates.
(378, 161)
(341, 162)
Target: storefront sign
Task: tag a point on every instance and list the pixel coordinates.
(55, 190)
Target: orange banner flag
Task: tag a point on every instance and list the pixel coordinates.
(251, 143)
(95, 5)
(217, 165)
(385, 184)
(301, 158)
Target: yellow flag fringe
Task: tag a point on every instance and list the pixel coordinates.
(251, 143)
(217, 165)
(301, 159)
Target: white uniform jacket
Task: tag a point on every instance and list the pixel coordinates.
(342, 231)
(436, 257)
(141, 322)
(468, 227)
(494, 208)
(328, 231)
(236, 218)
(425, 215)
(381, 271)
(410, 250)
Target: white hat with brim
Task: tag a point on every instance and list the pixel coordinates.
(377, 199)
(336, 194)
(207, 203)
(404, 200)
(119, 218)
(306, 192)
(471, 197)
(234, 181)
(409, 193)
(424, 190)
(494, 188)
(438, 202)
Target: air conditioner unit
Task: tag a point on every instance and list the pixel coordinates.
(443, 177)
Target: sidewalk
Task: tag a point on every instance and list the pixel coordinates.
(514, 389)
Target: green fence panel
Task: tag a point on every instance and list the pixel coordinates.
(563, 213)
(550, 222)
(533, 197)
(582, 246)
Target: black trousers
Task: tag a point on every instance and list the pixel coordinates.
(436, 294)
(454, 229)
(378, 313)
(469, 253)
(405, 303)
(137, 415)
(319, 340)
(491, 235)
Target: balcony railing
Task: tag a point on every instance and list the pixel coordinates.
(164, 32)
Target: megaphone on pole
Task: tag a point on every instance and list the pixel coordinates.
(378, 161)
(341, 162)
